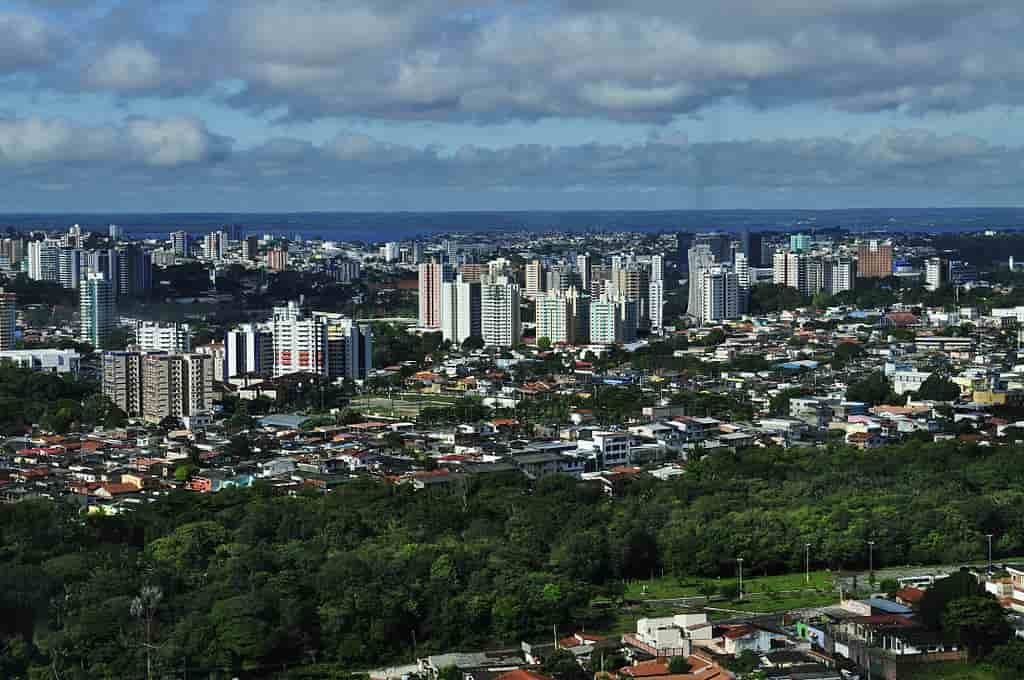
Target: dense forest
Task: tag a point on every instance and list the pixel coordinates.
(249, 583)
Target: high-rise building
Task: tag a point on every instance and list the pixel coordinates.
(248, 350)
(173, 338)
(583, 263)
(613, 320)
(415, 252)
(796, 272)
(719, 294)
(500, 324)
(700, 258)
(96, 309)
(180, 243)
(70, 268)
(134, 271)
(554, 318)
(718, 243)
(344, 270)
(780, 262)
(121, 374)
(277, 259)
(8, 318)
(535, 279)
(106, 262)
(840, 275)
(391, 251)
(936, 273)
(657, 268)
(348, 347)
(431, 276)
(251, 247)
(753, 248)
(115, 232)
(874, 259)
(799, 243)
(214, 246)
(460, 310)
(73, 239)
(559, 278)
(176, 385)
(299, 341)
(656, 303)
(44, 260)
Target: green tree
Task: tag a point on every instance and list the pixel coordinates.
(678, 665)
(873, 390)
(938, 388)
(1008, 660)
(562, 665)
(979, 623)
(543, 344)
(473, 342)
(958, 585)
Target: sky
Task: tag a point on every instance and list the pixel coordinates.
(337, 105)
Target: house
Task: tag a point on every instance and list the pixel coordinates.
(668, 636)
(606, 449)
(864, 440)
(699, 667)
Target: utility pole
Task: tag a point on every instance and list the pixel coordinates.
(739, 560)
(871, 561)
(807, 563)
(989, 537)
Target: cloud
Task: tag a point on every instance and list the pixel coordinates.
(25, 42)
(48, 143)
(486, 61)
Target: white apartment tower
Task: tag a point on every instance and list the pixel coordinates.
(500, 324)
(460, 310)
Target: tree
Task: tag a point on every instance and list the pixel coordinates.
(1008, 660)
(779, 404)
(562, 665)
(938, 388)
(678, 665)
(543, 343)
(958, 585)
(473, 342)
(979, 623)
(873, 390)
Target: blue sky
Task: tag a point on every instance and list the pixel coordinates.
(448, 104)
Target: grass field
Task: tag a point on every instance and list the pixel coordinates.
(961, 670)
(405, 405)
(668, 586)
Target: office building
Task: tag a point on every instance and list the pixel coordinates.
(115, 232)
(176, 385)
(344, 270)
(248, 350)
(874, 259)
(134, 271)
(173, 338)
(97, 312)
(460, 310)
(500, 324)
(8, 320)
(431, 276)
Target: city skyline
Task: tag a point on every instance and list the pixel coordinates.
(412, 105)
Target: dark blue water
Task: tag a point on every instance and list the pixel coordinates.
(386, 226)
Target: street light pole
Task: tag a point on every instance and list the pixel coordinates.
(871, 561)
(739, 560)
(807, 563)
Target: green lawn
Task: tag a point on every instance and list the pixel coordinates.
(960, 670)
(669, 586)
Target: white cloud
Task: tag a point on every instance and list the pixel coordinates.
(125, 67)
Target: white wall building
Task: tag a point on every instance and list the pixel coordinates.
(172, 338)
(500, 324)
